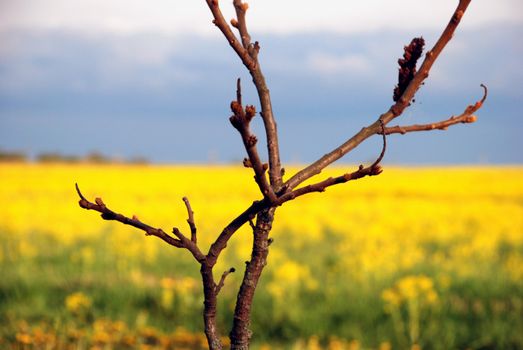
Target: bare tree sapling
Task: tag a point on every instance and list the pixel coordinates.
(275, 190)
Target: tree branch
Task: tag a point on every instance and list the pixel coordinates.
(190, 219)
(465, 117)
(221, 23)
(108, 214)
(241, 120)
(189, 245)
(241, 23)
(248, 53)
(371, 170)
(240, 334)
(430, 57)
(209, 307)
(412, 53)
(220, 284)
(221, 242)
(394, 111)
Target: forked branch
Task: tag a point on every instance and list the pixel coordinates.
(108, 214)
(190, 219)
(394, 111)
(237, 46)
(221, 242)
(241, 120)
(240, 23)
(466, 117)
(430, 58)
(371, 170)
(248, 53)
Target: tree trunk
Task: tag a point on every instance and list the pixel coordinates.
(241, 334)
(209, 311)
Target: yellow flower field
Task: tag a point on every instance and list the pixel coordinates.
(409, 234)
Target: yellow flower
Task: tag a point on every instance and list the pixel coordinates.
(385, 346)
(336, 344)
(425, 284)
(24, 338)
(408, 287)
(101, 337)
(431, 297)
(420, 288)
(288, 277)
(313, 343)
(78, 303)
(391, 298)
(167, 283)
(167, 298)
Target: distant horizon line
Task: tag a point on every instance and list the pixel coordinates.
(239, 164)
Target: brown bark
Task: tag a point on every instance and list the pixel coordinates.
(464, 118)
(241, 333)
(241, 120)
(248, 53)
(209, 308)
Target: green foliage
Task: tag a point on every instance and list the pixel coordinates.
(480, 311)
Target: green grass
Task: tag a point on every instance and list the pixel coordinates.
(483, 311)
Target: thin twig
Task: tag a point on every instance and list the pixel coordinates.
(384, 147)
(241, 120)
(108, 214)
(220, 284)
(249, 57)
(441, 125)
(371, 170)
(190, 219)
(241, 10)
(189, 245)
(466, 117)
(239, 91)
(221, 23)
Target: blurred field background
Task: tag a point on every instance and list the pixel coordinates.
(416, 258)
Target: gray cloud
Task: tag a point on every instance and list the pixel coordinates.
(267, 16)
(74, 92)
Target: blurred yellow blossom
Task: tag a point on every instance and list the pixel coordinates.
(385, 346)
(287, 277)
(391, 297)
(24, 338)
(451, 219)
(78, 303)
(411, 287)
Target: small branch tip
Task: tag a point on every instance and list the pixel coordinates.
(221, 283)
(247, 163)
(79, 192)
(485, 92)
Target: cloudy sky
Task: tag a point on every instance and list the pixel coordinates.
(267, 16)
(154, 78)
